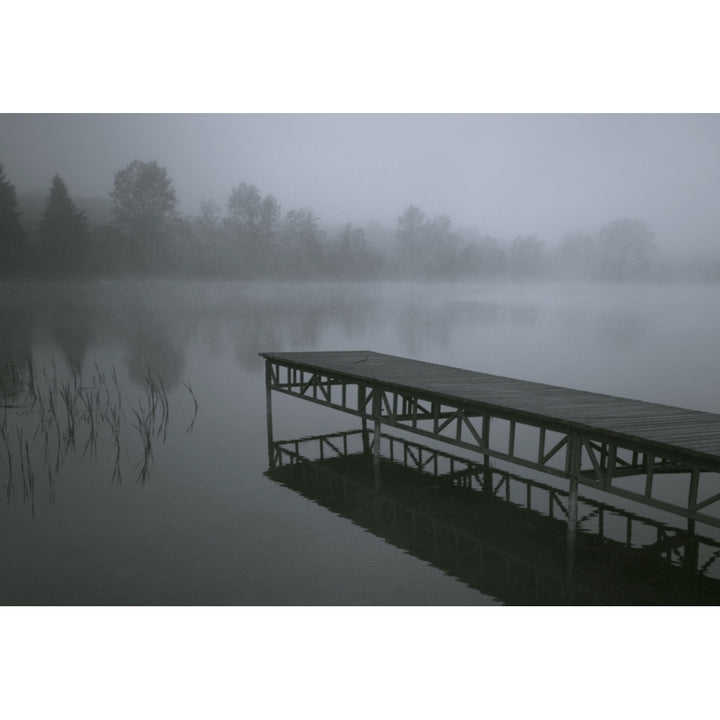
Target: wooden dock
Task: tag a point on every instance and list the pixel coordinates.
(589, 438)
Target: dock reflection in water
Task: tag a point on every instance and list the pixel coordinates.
(506, 538)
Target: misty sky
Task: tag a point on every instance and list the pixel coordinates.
(505, 174)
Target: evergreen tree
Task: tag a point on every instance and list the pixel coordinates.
(63, 230)
(12, 236)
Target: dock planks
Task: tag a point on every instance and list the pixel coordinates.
(692, 433)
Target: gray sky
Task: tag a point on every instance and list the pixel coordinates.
(506, 174)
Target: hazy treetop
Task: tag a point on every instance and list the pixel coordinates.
(506, 174)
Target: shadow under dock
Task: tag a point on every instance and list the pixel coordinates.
(503, 535)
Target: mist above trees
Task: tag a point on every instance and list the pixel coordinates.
(253, 237)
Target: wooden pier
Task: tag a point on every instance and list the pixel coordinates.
(591, 439)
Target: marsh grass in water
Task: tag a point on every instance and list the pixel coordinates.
(45, 417)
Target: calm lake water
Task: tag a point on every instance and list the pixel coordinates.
(207, 525)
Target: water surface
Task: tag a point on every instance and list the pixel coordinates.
(208, 526)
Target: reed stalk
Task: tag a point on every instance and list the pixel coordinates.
(53, 409)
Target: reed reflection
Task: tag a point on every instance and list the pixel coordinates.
(506, 538)
(49, 416)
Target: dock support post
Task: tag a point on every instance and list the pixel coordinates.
(268, 405)
(361, 408)
(487, 468)
(572, 513)
(376, 441)
(572, 508)
(573, 466)
(487, 476)
(690, 554)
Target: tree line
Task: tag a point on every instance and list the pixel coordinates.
(251, 237)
